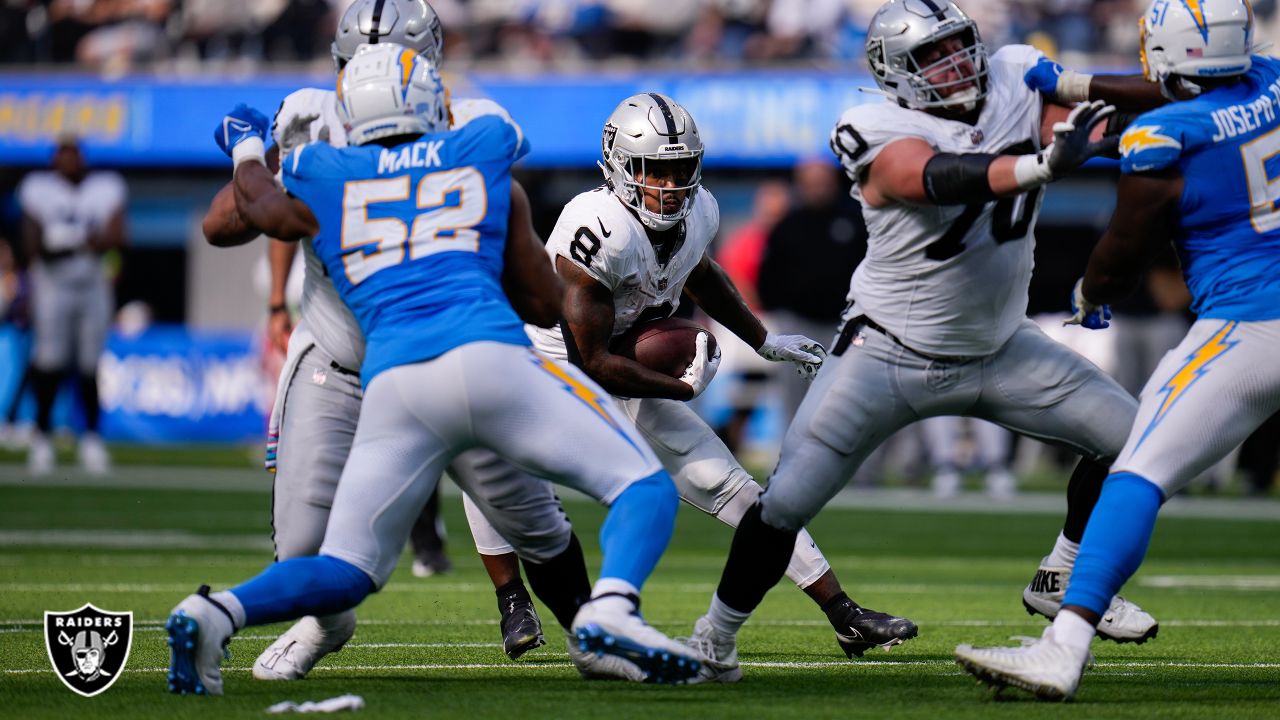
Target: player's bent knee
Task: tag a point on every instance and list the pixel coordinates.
(778, 513)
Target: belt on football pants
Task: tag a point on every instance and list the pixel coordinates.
(345, 371)
(851, 328)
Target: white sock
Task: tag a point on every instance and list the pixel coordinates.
(1073, 631)
(725, 619)
(232, 604)
(1064, 553)
(613, 585)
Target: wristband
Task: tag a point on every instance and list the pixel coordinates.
(1031, 171)
(251, 148)
(1073, 86)
(282, 307)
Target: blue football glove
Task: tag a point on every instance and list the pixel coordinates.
(239, 125)
(1043, 78)
(1093, 317)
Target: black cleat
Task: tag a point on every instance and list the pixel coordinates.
(859, 629)
(521, 630)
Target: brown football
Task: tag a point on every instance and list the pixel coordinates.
(666, 346)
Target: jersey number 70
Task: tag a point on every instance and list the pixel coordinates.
(452, 203)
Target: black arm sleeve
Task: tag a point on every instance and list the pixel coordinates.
(951, 179)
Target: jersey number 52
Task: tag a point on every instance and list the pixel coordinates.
(452, 203)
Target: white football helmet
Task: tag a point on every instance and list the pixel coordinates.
(649, 132)
(388, 89)
(1196, 38)
(900, 28)
(412, 23)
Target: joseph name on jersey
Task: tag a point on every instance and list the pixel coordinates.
(1223, 143)
(330, 321)
(948, 280)
(416, 252)
(606, 239)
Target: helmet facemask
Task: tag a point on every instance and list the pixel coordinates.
(966, 68)
(667, 182)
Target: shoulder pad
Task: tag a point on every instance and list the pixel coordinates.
(865, 130)
(1150, 143)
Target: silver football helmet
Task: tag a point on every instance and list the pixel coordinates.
(411, 23)
(900, 29)
(650, 135)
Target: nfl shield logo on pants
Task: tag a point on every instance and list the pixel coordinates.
(88, 647)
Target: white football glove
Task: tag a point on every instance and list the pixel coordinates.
(296, 133)
(807, 354)
(703, 368)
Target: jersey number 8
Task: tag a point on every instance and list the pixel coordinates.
(445, 224)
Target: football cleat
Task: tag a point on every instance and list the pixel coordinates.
(603, 667)
(521, 630)
(1124, 621)
(199, 630)
(859, 629)
(40, 455)
(432, 563)
(294, 653)
(93, 455)
(610, 624)
(719, 654)
(1044, 667)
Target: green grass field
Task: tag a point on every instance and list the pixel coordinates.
(429, 648)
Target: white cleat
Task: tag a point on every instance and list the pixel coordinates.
(40, 460)
(1044, 667)
(94, 458)
(946, 484)
(294, 653)
(1124, 621)
(603, 667)
(199, 631)
(611, 625)
(719, 654)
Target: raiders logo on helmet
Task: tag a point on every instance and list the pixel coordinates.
(88, 647)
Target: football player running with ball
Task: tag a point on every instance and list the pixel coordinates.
(1195, 172)
(410, 222)
(950, 174)
(627, 251)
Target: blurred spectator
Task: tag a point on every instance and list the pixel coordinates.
(71, 217)
(985, 447)
(741, 255)
(1150, 323)
(808, 260)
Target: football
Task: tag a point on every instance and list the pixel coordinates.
(666, 346)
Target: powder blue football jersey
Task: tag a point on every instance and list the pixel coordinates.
(1226, 144)
(413, 237)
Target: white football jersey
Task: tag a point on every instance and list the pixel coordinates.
(68, 213)
(331, 323)
(948, 280)
(603, 237)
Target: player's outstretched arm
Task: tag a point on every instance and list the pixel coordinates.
(1128, 93)
(529, 280)
(1146, 209)
(267, 207)
(223, 225)
(910, 170)
(588, 328)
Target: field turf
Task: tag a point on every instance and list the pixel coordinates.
(428, 648)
